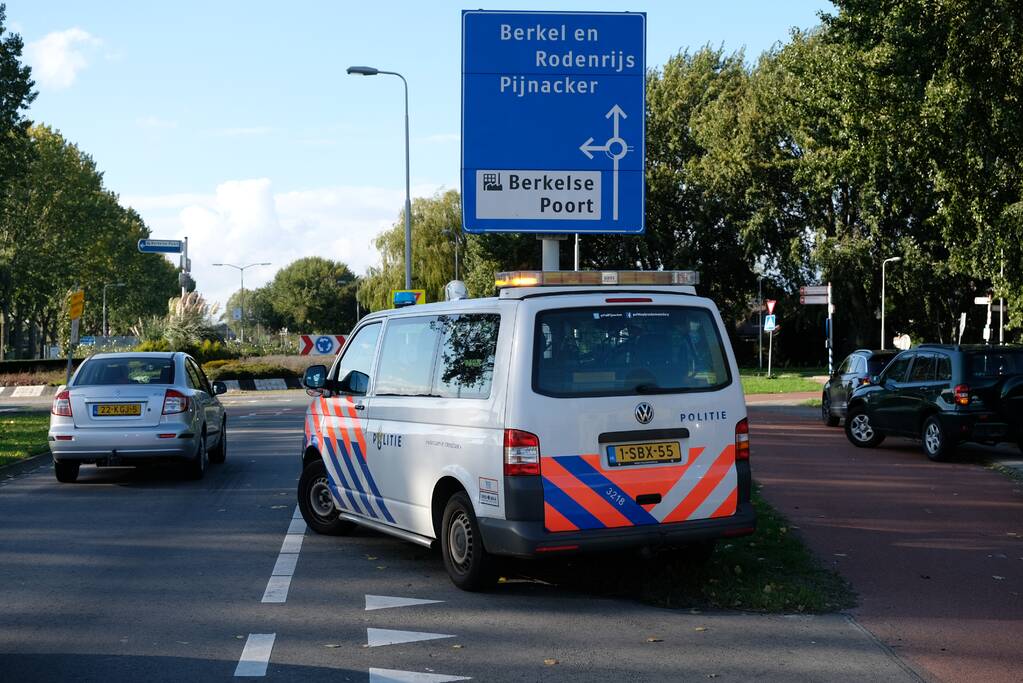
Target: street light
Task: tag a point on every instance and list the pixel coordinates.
(111, 284)
(371, 71)
(893, 259)
(241, 270)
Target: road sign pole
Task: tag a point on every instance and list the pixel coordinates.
(831, 333)
(70, 347)
(770, 349)
(551, 259)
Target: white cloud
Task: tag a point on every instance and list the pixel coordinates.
(155, 122)
(244, 222)
(57, 58)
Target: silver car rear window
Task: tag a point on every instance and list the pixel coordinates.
(125, 370)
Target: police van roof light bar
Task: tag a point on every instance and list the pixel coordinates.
(541, 278)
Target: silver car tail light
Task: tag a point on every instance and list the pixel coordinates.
(62, 404)
(174, 402)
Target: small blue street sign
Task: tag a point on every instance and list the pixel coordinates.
(324, 344)
(161, 246)
(553, 121)
(87, 341)
(770, 323)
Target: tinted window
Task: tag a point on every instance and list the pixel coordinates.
(878, 362)
(944, 369)
(360, 351)
(898, 369)
(627, 350)
(859, 365)
(923, 368)
(406, 357)
(994, 363)
(847, 366)
(126, 370)
(194, 380)
(465, 360)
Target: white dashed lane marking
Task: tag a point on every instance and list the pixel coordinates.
(256, 655)
(284, 568)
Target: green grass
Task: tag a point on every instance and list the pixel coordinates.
(771, 571)
(22, 436)
(812, 403)
(778, 383)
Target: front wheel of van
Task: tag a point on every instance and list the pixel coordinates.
(316, 503)
(469, 565)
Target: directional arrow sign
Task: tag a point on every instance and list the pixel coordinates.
(813, 299)
(161, 246)
(813, 290)
(553, 121)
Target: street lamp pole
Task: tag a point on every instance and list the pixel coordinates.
(110, 284)
(760, 318)
(241, 270)
(893, 259)
(371, 71)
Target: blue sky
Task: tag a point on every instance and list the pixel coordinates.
(235, 123)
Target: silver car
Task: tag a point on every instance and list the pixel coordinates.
(129, 408)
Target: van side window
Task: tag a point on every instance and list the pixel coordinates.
(359, 354)
(407, 357)
(465, 359)
(923, 368)
(898, 369)
(944, 369)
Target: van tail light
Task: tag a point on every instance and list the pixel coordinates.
(962, 394)
(742, 439)
(521, 453)
(62, 404)
(174, 402)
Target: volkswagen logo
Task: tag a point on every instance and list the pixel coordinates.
(644, 413)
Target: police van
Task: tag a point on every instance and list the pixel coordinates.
(573, 412)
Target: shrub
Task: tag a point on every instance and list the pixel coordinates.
(242, 370)
(153, 345)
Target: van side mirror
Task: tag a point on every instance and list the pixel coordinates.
(315, 377)
(219, 388)
(355, 383)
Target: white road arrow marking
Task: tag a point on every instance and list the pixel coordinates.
(375, 637)
(395, 676)
(386, 601)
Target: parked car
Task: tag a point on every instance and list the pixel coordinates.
(133, 408)
(943, 395)
(855, 371)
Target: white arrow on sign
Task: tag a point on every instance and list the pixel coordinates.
(615, 148)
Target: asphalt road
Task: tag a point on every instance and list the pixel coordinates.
(144, 575)
(935, 550)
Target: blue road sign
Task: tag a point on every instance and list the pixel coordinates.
(161, 246)
(553, 121)
(87, 341)
(770, 323)
(324, 344)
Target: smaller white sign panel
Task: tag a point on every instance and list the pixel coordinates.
(816, 299)
(810, 290)
(549, 195)
(982, 300)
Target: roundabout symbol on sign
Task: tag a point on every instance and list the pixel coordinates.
(324, 344)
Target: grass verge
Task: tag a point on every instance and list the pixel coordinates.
(783, 383)
(22, 436)
(771, 571)
(812, 403)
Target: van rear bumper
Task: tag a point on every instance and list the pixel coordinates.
(530, 539)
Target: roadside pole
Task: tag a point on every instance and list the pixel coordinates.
(770, 348)
(831, 333)
(77, 306)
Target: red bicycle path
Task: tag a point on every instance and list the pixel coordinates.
(934, 550)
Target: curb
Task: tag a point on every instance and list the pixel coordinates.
(233, 385)
(13, 469)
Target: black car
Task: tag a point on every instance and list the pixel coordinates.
(942, 395)
(855, 371)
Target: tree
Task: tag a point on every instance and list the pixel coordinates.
(314, 294)
(16, 94)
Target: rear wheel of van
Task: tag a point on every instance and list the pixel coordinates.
(316, 503)
(937, 445)
(860, 430)
(469, 565)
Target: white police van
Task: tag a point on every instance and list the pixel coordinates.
(576, 411)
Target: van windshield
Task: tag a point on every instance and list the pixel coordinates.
(621, 350)
(995, 363)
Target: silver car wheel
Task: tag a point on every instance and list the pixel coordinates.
(861, 429)
(932, 438)
(204, 455)
(460, 540)
(319, 498)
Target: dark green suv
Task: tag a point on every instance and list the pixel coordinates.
(942, 395)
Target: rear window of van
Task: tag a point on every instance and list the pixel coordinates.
(125, 370)
(621, 350)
